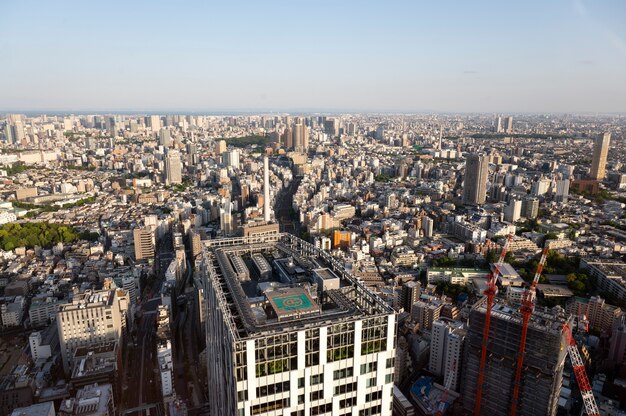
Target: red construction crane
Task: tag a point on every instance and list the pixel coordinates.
(490, 292)
(526, 309)
(581, 374)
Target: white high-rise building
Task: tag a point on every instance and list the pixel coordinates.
(266, 189)
(513, 210)
(540, 187)
(280, 352)
(173, 168)
(164, 356)
(446, 350)
(562, 190)
(91, 318)
(427, 226)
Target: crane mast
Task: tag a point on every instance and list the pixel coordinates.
(490, 292)
(581, 374)
(526, 309)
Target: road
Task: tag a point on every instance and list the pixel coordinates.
(283, 208)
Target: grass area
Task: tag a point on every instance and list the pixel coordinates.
(245, 141)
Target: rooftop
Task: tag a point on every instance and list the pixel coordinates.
(291, 296)
(40, 409)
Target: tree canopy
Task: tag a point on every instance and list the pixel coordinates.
(41, 234)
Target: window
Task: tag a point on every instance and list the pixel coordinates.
(321, 409)
(374, 410)
(272, 389)
(371, 382)
(269, 406)
(377, 395)
(301, 382)
(242, 395)
(317, 395)
(388, 378)
(390, 362)
(349, 402)
(343, 373)
(317, 379)
(369, 367)
(345, 388)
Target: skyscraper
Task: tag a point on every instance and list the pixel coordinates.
(164, 138)
(266, 189)
(173, 168)
(600, 152)
(287, 138)
(476, 174)
(508, 124)
(291, 348)
(544, 361)
(498, 124)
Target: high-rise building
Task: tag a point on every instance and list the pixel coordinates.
(287, 138)
(499, 124)
(508, 124)
(287, 347)
(617, 344)
(220, 147)
(475, 184)
(530, 207)
(164, 138)
(154, 122)
(600, 152)
(8, 134)
(410, 294)
(173, 168)
(562, 190)
(92, 318)
(544, 360)
(513, 210)
(446, 350)
(428, 226)
(144, 243)
(266, 189)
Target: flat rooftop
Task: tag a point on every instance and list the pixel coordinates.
(292, 301)
(288, 296)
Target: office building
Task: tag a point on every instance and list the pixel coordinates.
(530, 207)
(287, 138)
(286, 346)
(92, 400)
(508, 124)
(513, 210)
(39, 409)
(601, 316)
(562, 190)
(266, 189)
(543, 363)
(475, 184)
(600, 153)
(409, 295)
(499, 125)
(610, 276)
(173, 168)
(446, 351)
(92, 318)
(154, 122)
(617, 343)
(144, 243)
(165, 138)
(428, 226)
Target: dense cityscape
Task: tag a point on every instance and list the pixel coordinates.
(312, 263)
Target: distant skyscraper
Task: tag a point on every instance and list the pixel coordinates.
(173, 168)
(513, 210)
(287, 138)
(8, 133)
(600, 152)
(562, 190)
(266, 189)
(508, 124)
(476, 174)
(164, 138)
(155, 123)
(498, 124)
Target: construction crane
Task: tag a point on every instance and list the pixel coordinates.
(526, 309)
(579, 371)
(441, 407)
(490, 292)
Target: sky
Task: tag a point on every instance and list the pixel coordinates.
(351, 56)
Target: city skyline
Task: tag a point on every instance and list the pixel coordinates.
(566, 56)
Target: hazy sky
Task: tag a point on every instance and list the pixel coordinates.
(466, 56)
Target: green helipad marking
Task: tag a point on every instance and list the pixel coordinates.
(292, 302)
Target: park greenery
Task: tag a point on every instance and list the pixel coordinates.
(383, 178)
(245, 141)
(40, 234)
(16, 168)
(52, 208)
(452, 290)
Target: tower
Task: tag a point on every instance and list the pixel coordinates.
(173, 168)
(600, 152)
(476, 173)
(266, 189)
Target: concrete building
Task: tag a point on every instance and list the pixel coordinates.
(166, 367)
(409, 295)
(446, 351)
(92, 318)
(600, 153)
(92, 400)
(37, 349)
(476, 175)
(602, 317)
(173, 168)
(544, 361)
(513, 210)
(617, 344)
(39, 409)
(530, 207)
(610, 276)
(424, 313)
(287, 347)
(144, 243)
